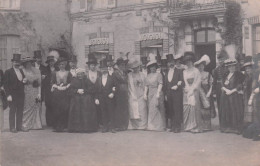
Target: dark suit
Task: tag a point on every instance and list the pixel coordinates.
(15, 88)
(107, 105)
(175, 98)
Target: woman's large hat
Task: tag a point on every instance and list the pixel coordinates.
(16, 58)
(188, 56)
(50, 58)
(135, 64)
(152, 60)
(178, 56)
(27, 59)
(248, 62)
(230, 62)
(204, 58)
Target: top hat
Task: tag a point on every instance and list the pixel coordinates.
(189, 56)
(230, 62)
(37, 54)
(248, 62)
(121, 61)
(103, 64)
(169, 57)
(61, 59)
(73, 59)
(16, 58)
(49, 58)
(144, 60)
(27, 59)
(91, 60)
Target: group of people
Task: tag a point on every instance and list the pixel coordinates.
(174, 93)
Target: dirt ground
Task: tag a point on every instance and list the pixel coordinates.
(128, 148)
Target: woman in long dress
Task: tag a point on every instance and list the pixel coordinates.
(231, 102)
(206, 100)
(78, 105)
(137, 104)
(155, 98)
(192, 118)
(91, 120)
(60, 83)
(32, 90)
(121, 95)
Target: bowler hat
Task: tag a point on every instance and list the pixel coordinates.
(49, 58)
(37, 54)
(16, 58)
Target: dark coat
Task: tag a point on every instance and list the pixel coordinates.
(11, 83)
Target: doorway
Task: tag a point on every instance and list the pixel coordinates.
(205, 43)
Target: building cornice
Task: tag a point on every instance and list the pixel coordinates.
(110, 11)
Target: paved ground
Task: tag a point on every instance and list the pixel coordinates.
(129, 148)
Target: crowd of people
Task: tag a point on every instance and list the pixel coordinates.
(174, 93)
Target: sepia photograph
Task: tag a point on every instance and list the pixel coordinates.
(130, 82)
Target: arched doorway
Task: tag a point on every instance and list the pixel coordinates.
(205, 43)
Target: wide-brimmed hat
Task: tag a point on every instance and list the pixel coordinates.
(73, 59)
(27, 59)
(103, 64)
(248, 62)
(135, 64)
(37, 54)
(16, 58)
(150, 63)
(50, 58)
(204, 58)
(230, 62)
(121, 61)
(169, 57)
(80, 70)
(188, 56)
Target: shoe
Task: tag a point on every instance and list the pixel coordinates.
(13, 130)
(24, 130)
(113, 131)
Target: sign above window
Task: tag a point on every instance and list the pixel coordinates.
(151, 36)
(10, 4)
(98, 41)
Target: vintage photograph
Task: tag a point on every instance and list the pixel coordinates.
(130, 82)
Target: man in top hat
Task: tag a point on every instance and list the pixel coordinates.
(14, 88)
(218, 76)
(110, 64)
(174, 91)
(143, 66)
(106, 88)
(73, 66)
(50, 68)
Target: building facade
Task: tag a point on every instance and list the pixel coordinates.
(28, 25)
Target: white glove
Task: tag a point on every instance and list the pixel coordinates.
(165, 98)
(114, 89)
(256, 90)
(250, 102)
(179, 83)
(24, 80)
(111, 95)
(174, 87)
(80, 91)
(208, 95)
(9, 98)
(97, 102)
(39, 96)
(145, 97)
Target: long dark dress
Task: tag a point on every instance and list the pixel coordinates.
(60, 100)
(77, 106)
(248, 111)
(232, 106)
(121, 100)
(91, 114)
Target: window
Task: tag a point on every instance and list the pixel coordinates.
(10, 4)
(205, 36)
(256, 38)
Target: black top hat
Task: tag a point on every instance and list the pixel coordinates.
(169, 57)
(92, 60)
(61, 59)
(103, 64)
(16, 58)
(37, 54)
(49, 58)
(73, 59)
(109, 57)
(144, 60)
(121, 60)
(188, 56)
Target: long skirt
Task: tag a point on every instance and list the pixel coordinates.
(90, 117)
(31, 112)
(192, 117)
(156, 111)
